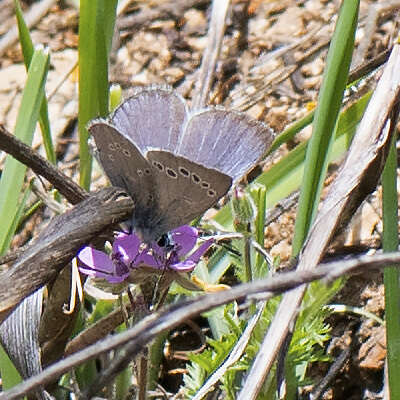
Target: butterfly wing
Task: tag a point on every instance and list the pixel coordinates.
(228, 141)
(152, 118)
(188, 189)
(125, 166)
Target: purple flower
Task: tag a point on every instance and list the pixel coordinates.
(129, 253)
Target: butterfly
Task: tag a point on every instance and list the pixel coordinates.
(175, 163)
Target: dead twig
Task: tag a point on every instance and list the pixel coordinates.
(166, 10)
(26, 155)
(211, 53)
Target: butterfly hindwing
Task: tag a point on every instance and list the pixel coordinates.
(152, 118)
(228, 141)
(187, 188)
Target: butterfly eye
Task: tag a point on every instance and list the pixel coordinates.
(205, 185)
(126, 152)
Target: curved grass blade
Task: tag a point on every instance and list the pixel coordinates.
(13, 174)
(17, 218)
(27, 51)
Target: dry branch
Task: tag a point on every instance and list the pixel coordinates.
(26, 155)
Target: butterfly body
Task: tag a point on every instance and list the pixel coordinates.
(175, 164)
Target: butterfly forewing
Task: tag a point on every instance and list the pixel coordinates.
(228, 141)
(152, 118)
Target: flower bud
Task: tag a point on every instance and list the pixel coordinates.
(243, 210)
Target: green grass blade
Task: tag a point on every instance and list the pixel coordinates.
(115, 97)
(291, 131)
(9, 375)
(15, 222)
(108, 16)
(325, 120)
(14, 172)
(27, 51)
(259, 194)
(391, 274)
(96, 25)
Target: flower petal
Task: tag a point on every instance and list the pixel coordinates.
(184, 239)
(97, 264)
(95, 259)
(196, 255)
(184, 266)
(145, 258)
(97, 274)
(127, 245)
(190, 263)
